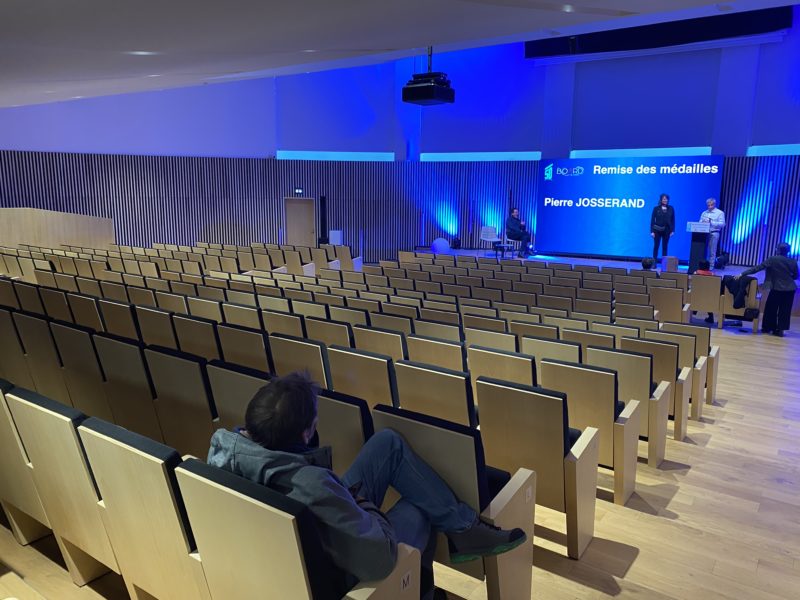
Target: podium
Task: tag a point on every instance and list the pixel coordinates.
(698, 248)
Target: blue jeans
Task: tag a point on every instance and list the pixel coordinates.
(713, 242)
(427, 505)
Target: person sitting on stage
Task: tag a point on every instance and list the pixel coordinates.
(276, 449)
(515, 230)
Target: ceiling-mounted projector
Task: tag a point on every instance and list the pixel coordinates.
(432, 87)
(429, 88)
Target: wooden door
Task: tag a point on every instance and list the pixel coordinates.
(301, 222)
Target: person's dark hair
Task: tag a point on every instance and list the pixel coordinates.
(281, 411)
(662, 196)
(513, 208)
(784, 249)
(647, 263)
(703, 265)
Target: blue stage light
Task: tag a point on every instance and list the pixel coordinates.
(446, 218)
(792, 237)
(752, 211)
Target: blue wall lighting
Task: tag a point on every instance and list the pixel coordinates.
(792, 237)
(752, 211)
(446, 218)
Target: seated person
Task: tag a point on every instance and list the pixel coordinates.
(515, 230)
(274, 450)
(648, 264)
(704, 269)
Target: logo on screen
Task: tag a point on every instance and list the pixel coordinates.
(569, 172)
(548, 172)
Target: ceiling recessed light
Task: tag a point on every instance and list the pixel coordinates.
(309, 51)
(568, 8)
(154, 75)
(76, 97)
(141, 53)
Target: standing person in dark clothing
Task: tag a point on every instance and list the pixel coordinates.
(515, 230)
(779, 279)
(662, 225)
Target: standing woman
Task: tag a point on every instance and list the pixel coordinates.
(781, 272)
(662, 225)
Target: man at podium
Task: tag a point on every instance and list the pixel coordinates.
(716, 219)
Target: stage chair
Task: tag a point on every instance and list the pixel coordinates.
(120, 319)
(438, 330)
(435, 391)
(588, 338)
(705, 294)
(219, 504)
(19, 496)
(527, 427)
(233, 386)
(635, 379)
(618, 331)
(688, 357)
(144, 512)
(445, 354)
(55, 305)
(156, 328)
(665, 368)
(751, 302)
(541, 348)
(641, 324)
(64, 482)
(292, 354)
(456, 453)
(669, 304)
(183, 400)
(197, 336)
(403, 325)
(704, 348)
(634, 311)
(592, 394)
(81, 369)
(345, 424)
(129, 389)
(490, 339)
(363, 374)
(378, 341)
(41, 355)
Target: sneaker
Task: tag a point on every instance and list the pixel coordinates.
(482, 539)
(778, 333)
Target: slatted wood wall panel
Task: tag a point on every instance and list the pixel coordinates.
(381, 207)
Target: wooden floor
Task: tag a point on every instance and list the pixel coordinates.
(720, 519)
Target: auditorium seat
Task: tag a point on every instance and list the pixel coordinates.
(665, 368)
(380, 341)
(329, 332)
(289, 324)
(642, 325)
(588, 338)
(119, 319)
(543, 348)
(593, 402)
(290, 354)
(688, 357)
(456, 453)
(13, 363)
(525, 329)
(435, 391)
(64, 482)
(81, 369)
(344, 424)
(634, 311)
(183, 400)
(245, 346)
(41, 355)
(129, 389)
(704, 348)
(144, 509)
(172, 302)
(705, 295)
(590, 318)
(437, 352)
(751, 303)
(29, 299)
(490, 339)
(363, 374)
(233, 386)
(635, 380)
(527, 427)
(19, 497)
(618, 331)
(514, 367)
(565, 322)
(669, 302)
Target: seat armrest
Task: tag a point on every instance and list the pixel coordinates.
(658, 416)
(686, 313)
(402, 583)
(509, 575)
(698, 387)
(711, 374)
(358, 263)
(626, 451)
(683, 388)
(580, 490)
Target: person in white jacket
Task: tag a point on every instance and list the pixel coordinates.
(716, 218)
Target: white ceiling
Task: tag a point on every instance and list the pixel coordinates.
(52, 50)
